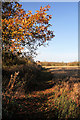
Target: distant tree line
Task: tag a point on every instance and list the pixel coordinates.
(60, 63)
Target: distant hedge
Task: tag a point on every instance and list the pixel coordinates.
(60, 64)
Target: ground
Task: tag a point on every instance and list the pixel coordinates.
(58, 98)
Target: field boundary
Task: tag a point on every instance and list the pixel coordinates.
(60, 66)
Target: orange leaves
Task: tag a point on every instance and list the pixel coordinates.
(16, 39)
(50, 16)
(48, 6)
(2, 20)
(16, 20)
(21, 11)
(25, 27)
(12, 50)
(9, 13)
(37, 11)
(37, 17)
(36, 27)
(22, 38)
(40, 8)
(42, 28)
(22, 48)
(20, 6)
(17, 5)
(30, 11)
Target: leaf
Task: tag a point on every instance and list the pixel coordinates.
(20, 28)
(37, 11)
(30, 11)
(41, 8)
(48, 6)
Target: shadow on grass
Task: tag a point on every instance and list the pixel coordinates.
(36, 80)
(65, 74)
(41, 82)
(29, 109)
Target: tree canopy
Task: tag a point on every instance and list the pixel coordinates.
(21, 29)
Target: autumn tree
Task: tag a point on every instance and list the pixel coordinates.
(21, 29)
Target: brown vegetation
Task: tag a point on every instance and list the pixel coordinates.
(52, 93)
(60, 64)
(30, 91)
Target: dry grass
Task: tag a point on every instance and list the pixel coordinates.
(60, 101)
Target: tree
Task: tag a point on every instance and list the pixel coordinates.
(21, 29)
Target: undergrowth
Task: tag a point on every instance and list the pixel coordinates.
(31, 93)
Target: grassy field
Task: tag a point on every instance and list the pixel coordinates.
(54, 95)
(60, 66)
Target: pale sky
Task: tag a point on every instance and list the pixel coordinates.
(64, 47)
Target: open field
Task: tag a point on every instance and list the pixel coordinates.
(65, 73)
(61, 66)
